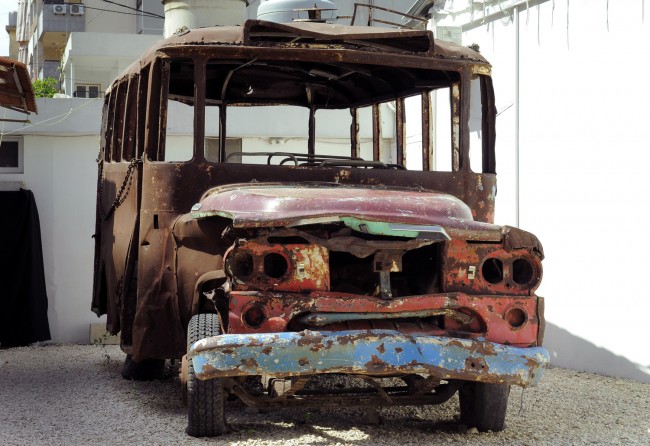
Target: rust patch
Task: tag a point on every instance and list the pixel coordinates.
(399, 349)
(375, 364)
(250, 363)
(483, 349)
(309, 338)
(476, 363)
(267, 350)
(303, 361)
(381, 349)
(455, 343)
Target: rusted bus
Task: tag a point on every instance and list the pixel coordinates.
(228, 247)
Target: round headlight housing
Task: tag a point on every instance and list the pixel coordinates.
(523, 271)
(240, 264)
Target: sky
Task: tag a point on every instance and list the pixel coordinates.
(6, 6)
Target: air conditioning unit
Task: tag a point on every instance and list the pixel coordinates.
(76, 9)
(59, 9)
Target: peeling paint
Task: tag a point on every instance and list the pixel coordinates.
(382, 352)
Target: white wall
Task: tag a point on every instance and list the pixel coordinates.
(60, 148)
(584, 160)
(65, 191)
(97, 58)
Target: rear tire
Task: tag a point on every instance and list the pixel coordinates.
(206, 414)
(483, 405)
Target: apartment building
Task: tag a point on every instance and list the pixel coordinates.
(83, 44)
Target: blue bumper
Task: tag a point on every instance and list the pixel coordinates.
(366, 352)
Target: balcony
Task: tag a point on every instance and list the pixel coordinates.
(49, 68)
(56, 18)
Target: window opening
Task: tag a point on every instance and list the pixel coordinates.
(108, 133)
(130, 121)
(118, 122)
(442, 130)
(87, 90)
(413, 133)
(475, 127)
(233, 149)
(276, 129)
(142, 111)
(178, 121)
(11, 156)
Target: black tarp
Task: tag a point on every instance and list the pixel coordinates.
(23, 298)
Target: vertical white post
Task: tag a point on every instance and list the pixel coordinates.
(517, 12)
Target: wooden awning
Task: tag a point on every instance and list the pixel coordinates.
(16, 91)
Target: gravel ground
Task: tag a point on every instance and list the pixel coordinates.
(74, 394)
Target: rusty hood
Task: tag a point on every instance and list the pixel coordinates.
(377, 210)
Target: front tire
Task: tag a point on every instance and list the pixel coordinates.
(206, 414)
(483, 405)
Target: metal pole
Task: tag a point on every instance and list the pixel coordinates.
(517, 12)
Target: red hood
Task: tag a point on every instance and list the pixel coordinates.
(286, 205)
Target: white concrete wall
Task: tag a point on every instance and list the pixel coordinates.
(98, 58)
(584, 160)
(60, 148)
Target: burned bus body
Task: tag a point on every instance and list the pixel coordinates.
(280, 268)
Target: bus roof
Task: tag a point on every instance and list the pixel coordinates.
(259, 33)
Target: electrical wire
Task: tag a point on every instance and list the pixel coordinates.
(123, 12)
(62, 117)
(150, 14)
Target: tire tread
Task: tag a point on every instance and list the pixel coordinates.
(206, 399)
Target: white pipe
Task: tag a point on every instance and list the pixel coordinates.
(517, 13)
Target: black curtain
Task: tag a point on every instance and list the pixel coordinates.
(23, 298)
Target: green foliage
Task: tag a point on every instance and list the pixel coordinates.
(45, 88)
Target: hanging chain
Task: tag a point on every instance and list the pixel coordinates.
(121, 194)
(100, 184)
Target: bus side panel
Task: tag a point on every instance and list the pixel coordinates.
(117, 222)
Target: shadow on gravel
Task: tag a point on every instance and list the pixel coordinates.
(572, 352)
(416, 421)
(326, 426)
